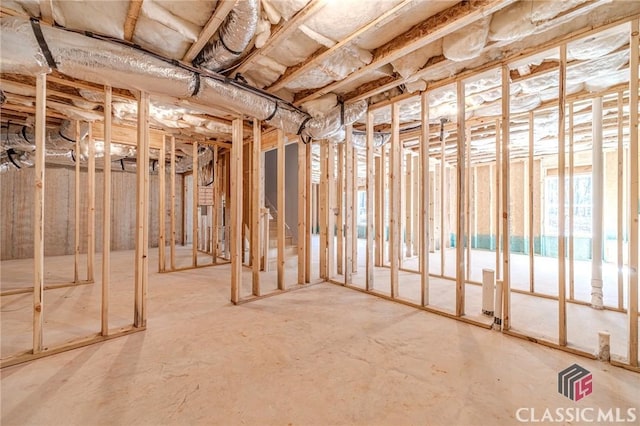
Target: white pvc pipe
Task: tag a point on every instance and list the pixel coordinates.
(497, 316)
(488, 287)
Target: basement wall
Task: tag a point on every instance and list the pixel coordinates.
(16, 211)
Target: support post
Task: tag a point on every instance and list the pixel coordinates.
(498, 201)
(322, 208)
(91, 206)
(76, 258)
(194, 203)
(106, 214)
(620, 207)
(217, 200)
(371, 188)
(531, 207)
(162, 239)
(506, 211)
(348, 206)
(634, 196)
(562, 99)
(331, 202)
(172, 208)
(354, 215)
(425, 201)
(302, 204)
(443, 168)
(571, 207)
(281, 207)
(394, 198)
(460, 200)
(340, 209)
(307, 234)
(379, 225)
(142, 200)
(38, 213)
(408, 205)
(256, 208)
(235, 178)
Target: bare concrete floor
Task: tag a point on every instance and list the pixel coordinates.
(322, 355)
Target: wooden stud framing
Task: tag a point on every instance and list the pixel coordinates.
(634, 196)
(236, 210)
(215, 215)
(531, 207)
(340, 209)
(467, 213)
(379, 226)
(354, 215)
(307, 235)
(571, 230)
(162, 213)
(172, 208)
(302, 207)
(132, 18)
(408, 205)
(194, 204)
(38, 213)
(348, 205)
(425, 200)
(443, 209)
(415, 188)
(620, 207)
(506, 213)
(371, 189)
(281, 208)
(91, 206)
(256, 208)
(460, 200)
(76, 201)
(142, 200)
(562, 305)
(322, 209)
(498, 199)
(394, 198)
(106, 214)
(331, 203)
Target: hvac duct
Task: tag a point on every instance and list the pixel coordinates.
(235, 34)
(108, 62)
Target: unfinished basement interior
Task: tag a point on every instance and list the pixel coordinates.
(319, 212)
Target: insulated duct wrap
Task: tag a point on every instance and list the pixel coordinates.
(105, 62)
(235, 35)
(22, 138)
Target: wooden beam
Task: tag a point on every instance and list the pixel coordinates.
(322, 209)
(281, 232)
(571, 197)
(46, 11)
(76, 202)
(348, 205)
(460, 201)
(142, 183)
(354, 214)
(236, 211)
(340, 209)
(324, 53)
(222, 10)
(215, 216)
(194, 203)
(443, 209)
(91, 206)
(371, 189)
(38, 214)
(281, 32)
(505, 205)
(106, 214)
(172, 208)
(620, 199)
(302, 208)
(531, 207)
(634, 196)
(425, 199)
(408, 204)
(433, 28)
(562, 305)
(132, 18)
(162, 213)
(379, 214)
(256, 208)
(331, 203)
(498, 199)
(394, 199)
(307, 236)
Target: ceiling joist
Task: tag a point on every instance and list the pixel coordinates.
(210, 28)
(323, 53)
(281, 32)
(46, 11)
(437, 26)
(132, 18)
